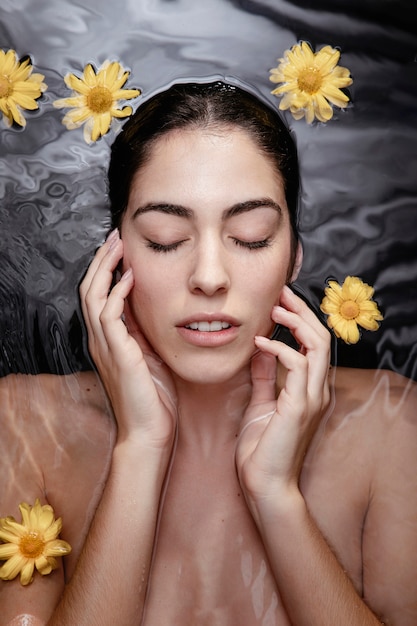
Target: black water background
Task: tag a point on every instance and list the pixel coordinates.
(359, 199)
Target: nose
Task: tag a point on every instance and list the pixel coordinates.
(209, 274)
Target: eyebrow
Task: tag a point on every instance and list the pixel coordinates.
(250, 205)
(182, 211)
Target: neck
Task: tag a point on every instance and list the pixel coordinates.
(210, 415)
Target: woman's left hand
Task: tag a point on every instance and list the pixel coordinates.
(276, 431)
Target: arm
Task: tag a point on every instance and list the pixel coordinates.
(111, 575)
(110, 580)
(275, 437)
(390, 531)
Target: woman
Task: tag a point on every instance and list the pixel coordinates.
(220, 496)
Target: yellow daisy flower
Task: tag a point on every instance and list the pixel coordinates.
(310, 82)
(33, 543)
(19, 87)
(348, 306)
(95, 97)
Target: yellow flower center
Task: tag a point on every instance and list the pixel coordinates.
(100, 99)
(310, 80)
(32, 545)
(349, 309)
(6, 87)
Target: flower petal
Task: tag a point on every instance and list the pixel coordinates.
(7, 550)
(126, 94)
(43, 565)
(315, 80)
(23, 88)
(57, 547)
(53, 530)
(92, 111)
(9, 534)
(26, 573)
(9, 525)
(39, 546)
(77, 84)
(355, 293)
(11, 568)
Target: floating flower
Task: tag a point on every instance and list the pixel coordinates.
(310, 81)
(33, 543)
(19, 87)
(348, 306)
(95, 98)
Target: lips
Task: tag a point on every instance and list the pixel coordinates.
(208, 321)
(208, 327)
(209, 330)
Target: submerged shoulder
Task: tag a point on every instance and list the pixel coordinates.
(380, 404)
(46, 393)
(383, 392)
(57, 438)
(57, 435)
(41, 410)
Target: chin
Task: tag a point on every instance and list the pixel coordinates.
(210, 371)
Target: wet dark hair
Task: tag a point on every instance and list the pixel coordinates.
(201, 105)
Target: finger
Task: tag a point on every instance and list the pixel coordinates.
(263, 373)
(100, 253)
(307, 334)
(314, 348)
(114, 329)
(293, 396)
(134, 329)
(95, 289)
(313, 338)
(290, 301)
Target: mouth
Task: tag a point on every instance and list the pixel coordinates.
(208, 327)
(205, 330)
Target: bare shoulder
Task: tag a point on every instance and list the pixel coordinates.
(29, 398)
(364, 382)
(370, 409)
(56, 444)
(360, 481)
(369, 430)
(49, 422)
(384, 400)
(382, 407)
(384, 404)
(57, 435)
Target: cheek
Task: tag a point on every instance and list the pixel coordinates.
(143, 298)
(269, 281)
(152, 291)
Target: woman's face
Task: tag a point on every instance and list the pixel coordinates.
(207, 235)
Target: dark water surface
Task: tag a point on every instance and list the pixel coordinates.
(359, 200)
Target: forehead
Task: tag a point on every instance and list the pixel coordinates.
(220, 162)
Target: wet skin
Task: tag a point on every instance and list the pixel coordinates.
(206, 252)
(209, 562)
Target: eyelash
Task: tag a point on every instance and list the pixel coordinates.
(160, 247)
(253, 245)
(250, 245)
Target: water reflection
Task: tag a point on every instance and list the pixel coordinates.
(358, 216)
(359, 194)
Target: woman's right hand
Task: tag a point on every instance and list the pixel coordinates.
(138, 383)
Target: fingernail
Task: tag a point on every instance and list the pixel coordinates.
(113, 235)
(259, 339)
(128, 273)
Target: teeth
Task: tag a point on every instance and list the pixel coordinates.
(207, 327)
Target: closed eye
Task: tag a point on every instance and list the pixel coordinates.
(163, 247)
(252, 245)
